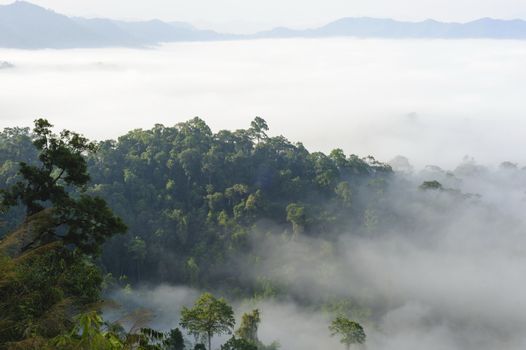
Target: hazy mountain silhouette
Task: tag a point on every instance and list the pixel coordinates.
(365, 27)
(24, 25)
(28, 26)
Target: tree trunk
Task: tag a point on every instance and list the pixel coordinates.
(209, 341)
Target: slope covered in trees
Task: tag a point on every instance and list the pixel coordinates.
(257, 220)
(47, 266)
(194, 200)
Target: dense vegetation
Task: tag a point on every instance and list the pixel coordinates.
(47, 269)
(193, 200)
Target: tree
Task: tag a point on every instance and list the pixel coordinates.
(198, 196)
(239, 344)
(257, 129)
(349, 331)
(248, 330)
(51, 271)
(62, 164)
(175, 340)
(247, 334)
(137, 247)
(78, 219)
(296, 215)
(208, 317)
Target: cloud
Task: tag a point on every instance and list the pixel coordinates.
(431, 101)
(440, 270)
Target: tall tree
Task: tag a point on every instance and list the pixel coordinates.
(208, 317)
(258, 128)
(62, 164)
(350, 332)
(296, 215)
(248, 330)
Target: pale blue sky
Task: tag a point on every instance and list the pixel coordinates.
(247, 15)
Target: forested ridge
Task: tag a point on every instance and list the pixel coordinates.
(193, 199)
(178, 205)
(242, 224)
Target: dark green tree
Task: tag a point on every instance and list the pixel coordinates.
(258, 128)
(62, 164)
(239, 344)
(174, 340)
(59, 182)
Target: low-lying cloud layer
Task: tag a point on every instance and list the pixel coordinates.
(434, 101)
(439, 269)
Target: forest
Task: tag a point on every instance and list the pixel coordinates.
(237, 215)
(184, 205)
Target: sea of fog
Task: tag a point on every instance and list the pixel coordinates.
(449, 275)
(433, 101)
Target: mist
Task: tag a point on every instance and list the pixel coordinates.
(430, 100)
(440, 269)
(436, 269)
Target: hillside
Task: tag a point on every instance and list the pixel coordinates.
(194, 200)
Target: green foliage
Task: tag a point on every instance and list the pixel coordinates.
(90, 332)
(238, 344)
(62, 164)
(248, 330)
(350, 332)
(296, 215)
(87, 220)
(247, 334)
(193, 199)
(258, 127)
(174, 340)
(38, 290)
(50, 271)
(208, 317)
(348, 308)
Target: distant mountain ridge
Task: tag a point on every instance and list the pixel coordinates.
(27, 26)
(366, 27)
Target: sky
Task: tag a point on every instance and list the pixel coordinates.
(252, 15)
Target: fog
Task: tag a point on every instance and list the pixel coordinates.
(376, 97)
(439, 270)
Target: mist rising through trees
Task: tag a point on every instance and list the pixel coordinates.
(306, 236)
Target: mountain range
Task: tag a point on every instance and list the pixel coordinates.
(28, 26)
